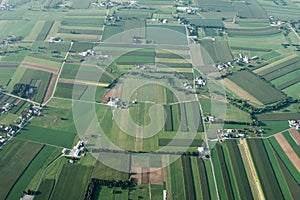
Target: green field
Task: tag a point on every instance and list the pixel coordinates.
(47, 136)
(76, 174)
(15, 152)
(30, 171)
(250, 83)
(264, 169)
(218, 50)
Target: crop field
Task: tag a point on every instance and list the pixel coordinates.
(218, 50)
(203, 175)
(277, 171)
(178, 116)
(38, 79)
(208, 23)
(177, 179)
(112, 30)
(285, 160)
(278, 116)
(77, 4)
(220, 6)
(252, 9)
(254, 43)
(15, 152)
(76, 174)
(45, 189)
(44, 31)
(104, 172)
(82, 22)
(287, 80)
(188, 177)
(180, 142)
(253, 31)
(276, 71)
(30, 171)
(293, 90)
(173, 35)
(281, 12)
(264, 169)
(238, 170)
(250, 82)
(221, 172)
(292, 142)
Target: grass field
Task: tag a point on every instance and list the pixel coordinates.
(47, 136)
(104, 172)
(15, 152)
(250, 83)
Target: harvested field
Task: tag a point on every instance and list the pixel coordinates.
(30, 65)
(288, 150)
(145, 175)
(156, 176)
(295, 134)
(50, 89)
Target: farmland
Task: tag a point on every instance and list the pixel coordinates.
(17, 151)
(249, 82)
(156, 67)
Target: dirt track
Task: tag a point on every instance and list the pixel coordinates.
(288, 150)
(295, 134)
(40, 67)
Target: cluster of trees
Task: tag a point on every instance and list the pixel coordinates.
(24, 90)
(109, 183)
(98, 150)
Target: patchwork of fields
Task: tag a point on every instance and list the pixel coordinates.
(149, 66)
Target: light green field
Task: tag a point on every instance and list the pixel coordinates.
(293, 90)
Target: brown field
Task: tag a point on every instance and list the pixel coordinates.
(113, 93)
(156, 176)
(196, 55)
(145, 175)
(237, 90)
(295, 134)
(288, 150)
(136, 175)
(40, 67)
(50, 89)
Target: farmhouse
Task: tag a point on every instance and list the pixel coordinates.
(294, 124)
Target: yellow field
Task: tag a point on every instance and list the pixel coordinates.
(237, 90)
(171, 60)
(188, 70)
